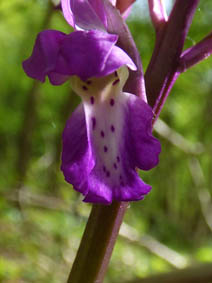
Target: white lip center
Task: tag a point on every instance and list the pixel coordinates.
(104, 105)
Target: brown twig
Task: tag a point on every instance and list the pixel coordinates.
(202, 191)
(177, 139)
(152, 245)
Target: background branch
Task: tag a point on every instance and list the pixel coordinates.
(195, 274)
(202, 191)
(177, 139)
(172, 257)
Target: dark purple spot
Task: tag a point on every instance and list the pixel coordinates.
(105, 149)
(88, 82)
(102, 134)
(92, 100)
(104, 169)
(116, 74)
(116, 81)
(112, 102)
(112, 128)
(120, 177)
(108, 174)
(118, 159)
(122, 183)
(84, 87)
(115, 165)
(93, 119)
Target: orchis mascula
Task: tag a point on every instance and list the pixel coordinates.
(109, 135)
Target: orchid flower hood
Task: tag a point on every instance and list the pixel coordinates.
(89, 14)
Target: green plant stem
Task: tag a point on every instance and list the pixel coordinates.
(97, 243)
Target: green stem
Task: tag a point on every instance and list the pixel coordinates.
(97, 243)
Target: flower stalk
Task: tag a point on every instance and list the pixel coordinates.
(193, 55)
(97, 243)
(162, 70)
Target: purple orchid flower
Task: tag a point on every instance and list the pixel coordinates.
(109, 135)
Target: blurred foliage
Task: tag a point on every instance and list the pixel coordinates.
(41, 217)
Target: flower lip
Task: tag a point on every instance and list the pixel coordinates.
(119, 141)
(85, 54)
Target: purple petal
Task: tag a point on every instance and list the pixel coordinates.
(86, 14)
(100, 10)
(99, 192)
(116, 59)
(57, 79)
(85, 53)
(145, 148)
(77, 161)
(44, 54)
(91, 14)
(135, 189)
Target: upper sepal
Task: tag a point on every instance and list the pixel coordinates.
(92, 14)
(82, 53)
(85, 14)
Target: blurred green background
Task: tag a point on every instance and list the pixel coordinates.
(42, 218)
